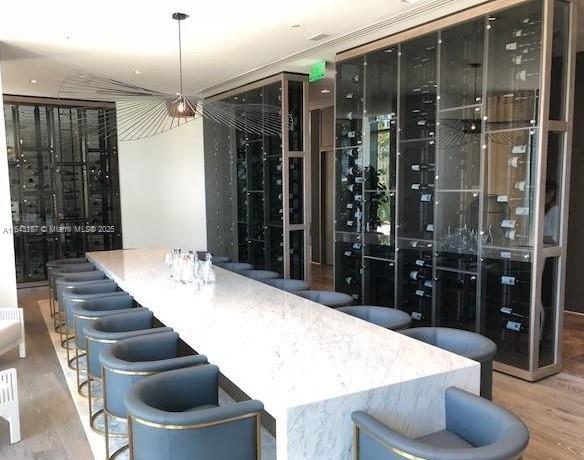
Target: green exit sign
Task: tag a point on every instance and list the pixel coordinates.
(317, 71)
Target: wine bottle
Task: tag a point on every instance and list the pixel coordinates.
(509, 280)
(351, 281)
(417, 275)
(422, 167)
(515, 162)
(424, 262)
(422, 187)
(514, 326)
(417, 316)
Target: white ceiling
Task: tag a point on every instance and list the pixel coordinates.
(49, 40)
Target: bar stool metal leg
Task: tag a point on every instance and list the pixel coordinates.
(108, 434)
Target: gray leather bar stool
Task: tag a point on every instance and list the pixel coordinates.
(52, 276)
(72, 294)
(464, 343)
(102, 334)
(476, 429)
(260, 275)
(51, 264)
(71, 280)
(328, 298)
(235, 266)
(131, 360)
(175, 415)
(289, 285)
(85, 312)
(389, 318)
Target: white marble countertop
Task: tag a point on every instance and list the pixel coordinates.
(277, 347)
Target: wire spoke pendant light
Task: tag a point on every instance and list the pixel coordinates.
(143, 113)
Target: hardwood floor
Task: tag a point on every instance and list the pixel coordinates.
(321, 277)
(553, 408)
(50, 427)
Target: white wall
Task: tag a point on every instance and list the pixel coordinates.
(7, 266)
(162, 189)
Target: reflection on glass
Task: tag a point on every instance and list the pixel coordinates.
(459, 144)
(510, 181)
(348, 273)
(461, 64)
(547, 312)
(507, 291)
(456, 298)
(297, 254)
(379, 221)
(349, 103)
(418, 88)
(296, 197)
(560, 44)
(349, 190)
(417, 174)
(553, 184)
(514, 66)
(296, 110)
(379, 285)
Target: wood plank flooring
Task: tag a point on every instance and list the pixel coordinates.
(50, 427)
(553, 408)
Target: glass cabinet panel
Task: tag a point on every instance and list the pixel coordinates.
(507, 292)
(349, 190)
(510, 182)
(417, 172)
(459, 145)
(273, 193)
(378, 282)
(560, 55)
(297, 254)
(415, 283)
(418, 88)
(295, 190)
(514, 66)
(348, 272)
(456, 299)
(548, 317)
(349, 103)
(296, 109)
(379, 224)
(252, 226)
(553, 189)
(461, 65)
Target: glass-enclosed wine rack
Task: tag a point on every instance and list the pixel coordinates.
(64, 187)
(256, 185)
(451, 158)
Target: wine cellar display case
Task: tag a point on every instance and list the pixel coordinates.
(452, 164)
(64, 187)
(255, 185)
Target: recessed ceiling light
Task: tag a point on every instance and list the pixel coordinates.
(295, 26)
(33, 81)
(492, 18)
(325, 91)
(137, 72)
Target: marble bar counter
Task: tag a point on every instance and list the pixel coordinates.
(310, 365)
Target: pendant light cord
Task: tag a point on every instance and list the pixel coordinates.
(180, 58)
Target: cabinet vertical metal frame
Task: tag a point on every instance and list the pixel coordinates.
(63, 178)
(257, 187)
(483, 124)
